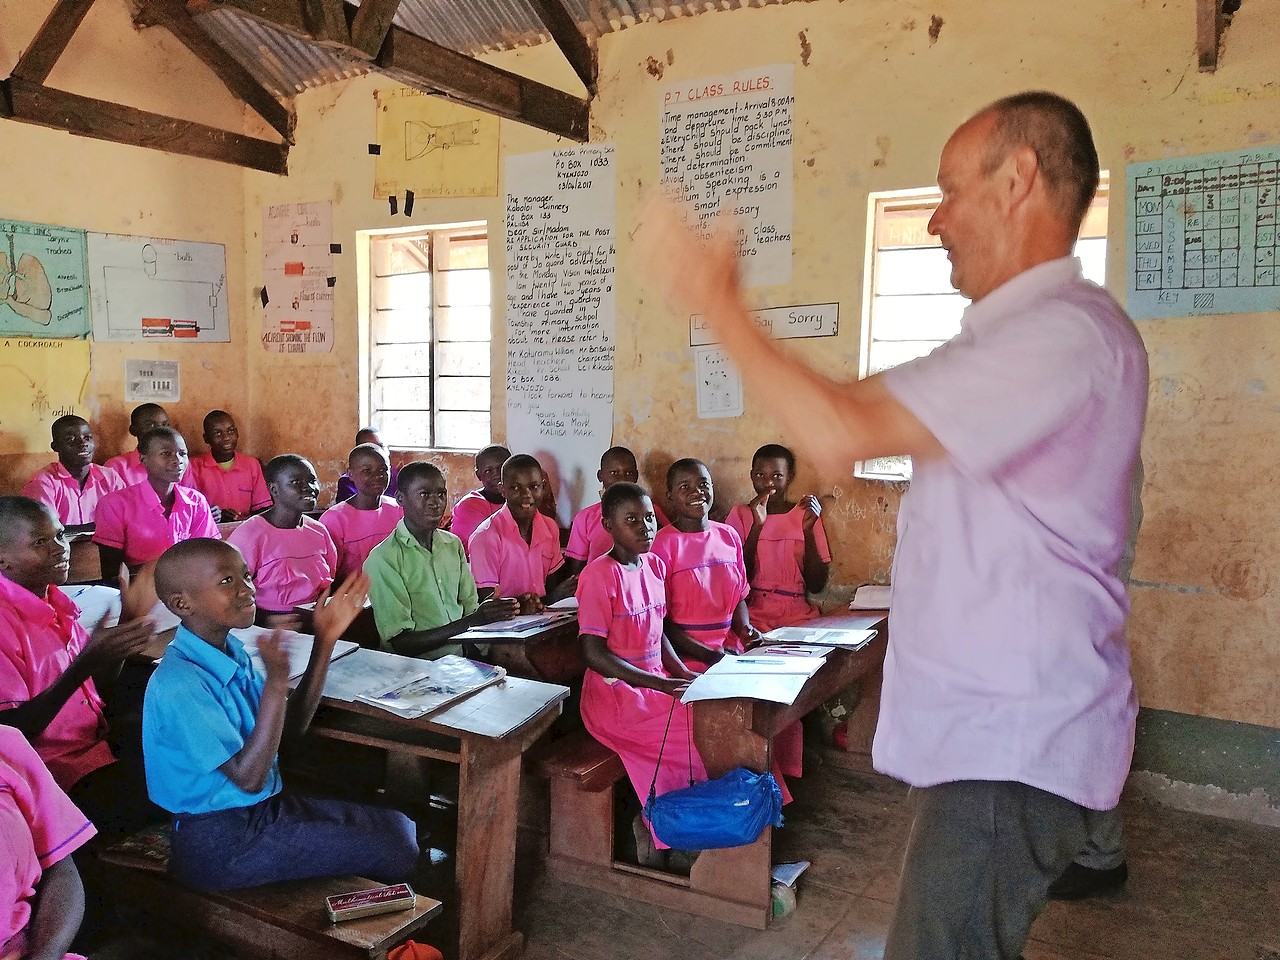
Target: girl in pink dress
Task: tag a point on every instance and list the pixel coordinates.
(783, 543)
(634, 676)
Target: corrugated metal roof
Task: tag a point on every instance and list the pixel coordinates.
(287, 65)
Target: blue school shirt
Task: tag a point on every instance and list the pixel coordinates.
(198, 711)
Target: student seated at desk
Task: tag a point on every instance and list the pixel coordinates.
(783, 543)
(516, 552)
(588, 538)
(73, 484)
(422, 590)
(145, 417)
(634, 675)
(361, 523)
(135, 525)
(230, 480)
(347, 486)
(477, 506)
(211, 732)
(41, 896)
(51, 668)
(292, 558)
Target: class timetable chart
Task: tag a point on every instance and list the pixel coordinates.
(1202, 234)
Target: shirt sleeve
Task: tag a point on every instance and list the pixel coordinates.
(989, 401)
(745, 586)
(15, 687)
(595, 601)
(39, 488)
(392, 607)
(203, 524)
(108, 520)
(468, 594)
(259, 496)
(738, 516)
(250, 546)
(58, 827)
(486, 558)
(820, 540)
(579, 547)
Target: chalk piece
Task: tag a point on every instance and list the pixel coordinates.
(264, 296)
(331, 280)
(394, 203)
(408, 203)
(375, 149)
(335, 248)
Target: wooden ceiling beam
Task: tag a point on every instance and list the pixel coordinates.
(55, 33)
(371, 24)
(326, 22)
(86, 117)
(1208, 33)
(173, 16)
(564, 31)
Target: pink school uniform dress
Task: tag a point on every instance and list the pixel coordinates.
(39, 826)
(468, 513)
(289, 567)
(133, 520)
(240, 488)
(39, 637)
(626, 608)
(501, 559)
(706, 580)
(130, 469)
(74, 505)
(777, 590)
(589, 539)
(356, 532)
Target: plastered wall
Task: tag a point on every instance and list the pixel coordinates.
(53, 177)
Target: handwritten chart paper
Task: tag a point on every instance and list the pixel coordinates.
(44, 291)
(40, 381)
(1202, 234)
(560, 215)
(296, 266)
(726, 144)
(433, 147)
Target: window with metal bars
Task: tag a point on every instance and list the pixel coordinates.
(430, 332)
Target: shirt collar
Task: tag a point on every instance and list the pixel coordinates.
(404, 536)
(223, 666)
(40, 610)
(1027, 286)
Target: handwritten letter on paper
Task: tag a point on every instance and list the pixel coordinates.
(726, 144)
(560, 217)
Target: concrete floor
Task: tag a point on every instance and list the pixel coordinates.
(1200, 888)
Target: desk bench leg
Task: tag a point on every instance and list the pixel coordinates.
(581, 823)
(488, 795)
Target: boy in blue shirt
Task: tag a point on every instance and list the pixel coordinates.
(211, 731)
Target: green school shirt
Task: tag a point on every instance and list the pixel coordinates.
(413, 588)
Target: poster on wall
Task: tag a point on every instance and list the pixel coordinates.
(40, 381)
(560, 217)
(1202, 234)
(718, 384)
(726, 145)
(297, 272)
(43, 288)
(155, 289)
(153, 381)
(433, 147)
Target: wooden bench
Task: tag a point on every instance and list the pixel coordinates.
(280, 921)
(581, 772)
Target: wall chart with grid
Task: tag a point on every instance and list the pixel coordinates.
(1202, 234)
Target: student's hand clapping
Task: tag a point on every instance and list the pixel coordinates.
(109, 645)
(338, 606)
(274, 651)
(498, 609)
(812, 511)
(760, 507)
(137, 592)
(217, 513)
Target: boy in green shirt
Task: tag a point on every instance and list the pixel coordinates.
(421, 587)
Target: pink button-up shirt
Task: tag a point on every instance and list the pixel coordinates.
(241, 488)
(356, 532)
(469, 512)
(133, 520)
(39, 637)
(289, 567)
(589, 539)
(500, 558)
(74, 505)
(1008, 659)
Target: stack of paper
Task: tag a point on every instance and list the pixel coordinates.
(522, 626)
(822, 636)
(447, 680)
(779, 679)
(871, 596)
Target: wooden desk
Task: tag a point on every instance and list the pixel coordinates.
(734, 884)
(553, 655)
(486, 735)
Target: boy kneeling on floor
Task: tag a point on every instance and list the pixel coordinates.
(211, 732)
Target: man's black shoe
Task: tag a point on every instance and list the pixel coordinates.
(1078, 882)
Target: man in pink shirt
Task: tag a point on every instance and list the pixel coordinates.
(48, 665)
(1007, 693)
(145, 416)
(516, 552)
(479, 505)
(137, 524)
(229, 480)
(73, 484)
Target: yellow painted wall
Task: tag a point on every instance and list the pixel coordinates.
(53, 177)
